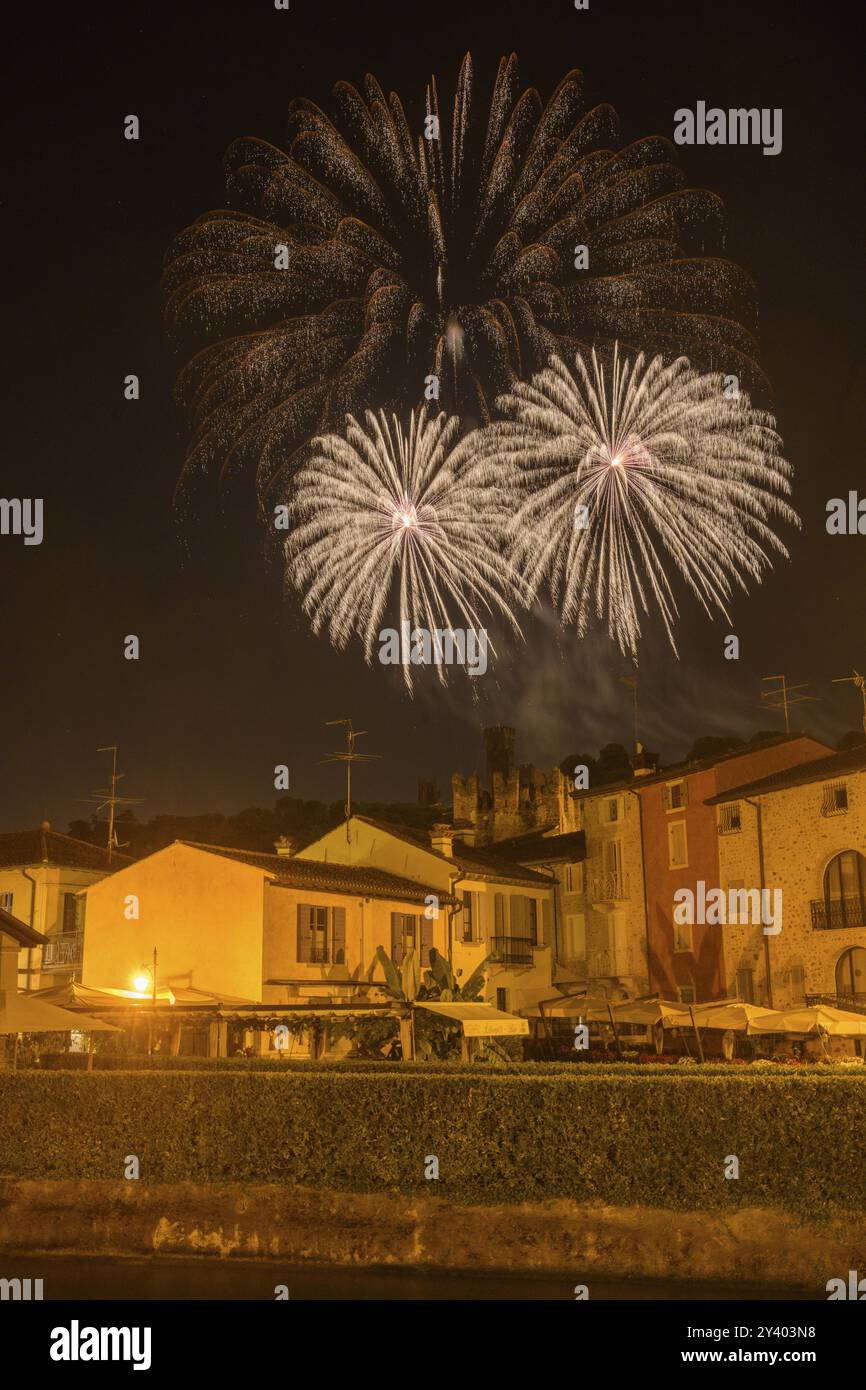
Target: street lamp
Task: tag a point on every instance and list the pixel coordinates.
(146, 976)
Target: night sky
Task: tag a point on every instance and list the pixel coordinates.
(230, 681)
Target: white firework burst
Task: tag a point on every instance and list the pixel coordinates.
(632, 473)
(403, 524)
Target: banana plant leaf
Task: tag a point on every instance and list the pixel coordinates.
(392, 977)
(473, 986)
(409, 976)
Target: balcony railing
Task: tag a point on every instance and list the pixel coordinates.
(511, 950)
(63, 951)
(609, 887)
(854, 1003)
(838, 912)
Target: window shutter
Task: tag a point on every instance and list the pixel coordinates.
(532, 920)
(499, 913)
(545, 923)
(304, 942)
(397, 937)
(339, 935)
(426, 940)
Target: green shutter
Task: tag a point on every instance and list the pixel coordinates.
(338, 931)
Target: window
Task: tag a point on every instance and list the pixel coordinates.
(613, 809)
(70, 912)
(321, 935)
(678, 850)
(499, 913)
(575, 936)
(746, 986)
(835, 801)
(851, 976)
(729, 818)
(6, 901)
(675, 796)
(502, 1000)
(845, 890)
(574, 878)
(798, 983)
(686, 994)
(683, 936)
(405, 935)
(470, 924)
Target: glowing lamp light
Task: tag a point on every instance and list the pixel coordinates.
(141, 984)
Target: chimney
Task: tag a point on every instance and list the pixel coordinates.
(286, 846)
(644, 764)
(499, 746)
(466, 831)
(442, 838)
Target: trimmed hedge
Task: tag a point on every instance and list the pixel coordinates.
(621, 1138)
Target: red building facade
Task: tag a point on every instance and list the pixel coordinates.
(681, 849)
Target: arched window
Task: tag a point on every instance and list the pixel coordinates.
(845, 890)
(851, 975)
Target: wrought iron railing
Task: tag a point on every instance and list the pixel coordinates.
(833, 913)
(63, 950)
(609, 887)
(854, 1003)
(511, 950)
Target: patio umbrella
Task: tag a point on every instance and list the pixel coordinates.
(21, 1013)
(737, 1017)
(818, 1018)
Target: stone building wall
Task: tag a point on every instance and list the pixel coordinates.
(799, 842)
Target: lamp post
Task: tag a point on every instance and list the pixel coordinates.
(140, 983)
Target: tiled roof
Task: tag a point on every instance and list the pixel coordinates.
(19, 931)
(313, 874)
(686, 769)
(538, 848)
(471, 860)
(820, 770)
(41, 846)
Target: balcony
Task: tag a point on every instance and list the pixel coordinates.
(853, 1003)
(63, 951)
(511, 950)
(837, 913)
(609, 888)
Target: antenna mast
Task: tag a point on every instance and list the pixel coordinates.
(350, 756)
(783, 697)
(107, 797)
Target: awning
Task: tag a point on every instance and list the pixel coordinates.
(733, 1015)
(839, 1023)
(20, 1013)
(480, 1020)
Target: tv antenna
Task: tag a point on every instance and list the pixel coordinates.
(106, 797)
(350, 756)
(860, 682)
(783, 696)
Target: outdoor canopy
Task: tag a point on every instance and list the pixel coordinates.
(20, 1013)
(480, 1020)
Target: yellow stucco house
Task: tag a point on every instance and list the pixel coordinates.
(503, 909)
(243, 929)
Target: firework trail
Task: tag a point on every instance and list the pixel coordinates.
(631, 472)
(452, 256)
(401, 524)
